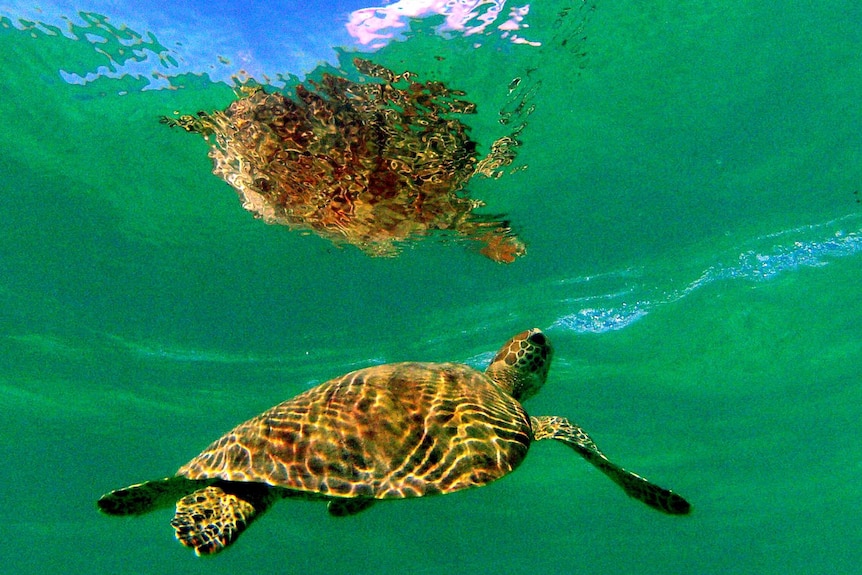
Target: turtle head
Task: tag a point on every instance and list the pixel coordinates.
(521, 366)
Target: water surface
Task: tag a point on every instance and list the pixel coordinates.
(688, 189)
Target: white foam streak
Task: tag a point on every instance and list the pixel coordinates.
(788, 251)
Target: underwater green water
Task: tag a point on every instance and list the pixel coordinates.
(690, 205)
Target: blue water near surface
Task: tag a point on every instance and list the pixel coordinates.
(688, 188)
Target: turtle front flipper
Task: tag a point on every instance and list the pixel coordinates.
(634, 485)
(211, 518)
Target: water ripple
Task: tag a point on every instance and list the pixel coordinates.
(764, 259)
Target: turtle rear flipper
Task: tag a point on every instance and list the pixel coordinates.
(145, 497)
(634, 485)
(211, 518)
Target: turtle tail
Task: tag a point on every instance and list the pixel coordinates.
(145, 497)
(212, 518)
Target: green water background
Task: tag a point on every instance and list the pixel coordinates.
(690, 206)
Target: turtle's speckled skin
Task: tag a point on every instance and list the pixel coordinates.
(386, 432)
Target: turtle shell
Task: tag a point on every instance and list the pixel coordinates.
(389, 431)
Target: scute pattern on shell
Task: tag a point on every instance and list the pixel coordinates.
(390, 431)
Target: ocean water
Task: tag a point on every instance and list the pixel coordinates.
(688, 188)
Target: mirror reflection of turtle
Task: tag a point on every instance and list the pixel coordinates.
(371, 163)
(391, 431)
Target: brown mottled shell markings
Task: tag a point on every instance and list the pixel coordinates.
(390, 431)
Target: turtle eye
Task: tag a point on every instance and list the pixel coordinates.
(538, 338)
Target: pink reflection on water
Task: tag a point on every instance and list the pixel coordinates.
(376, 25)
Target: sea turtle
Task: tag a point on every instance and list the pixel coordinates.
(373, 163)
(385, 432)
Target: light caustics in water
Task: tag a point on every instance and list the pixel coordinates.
(119, 50)
(263, 45)
(158, 44)
(376, 26)
(764, 259)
